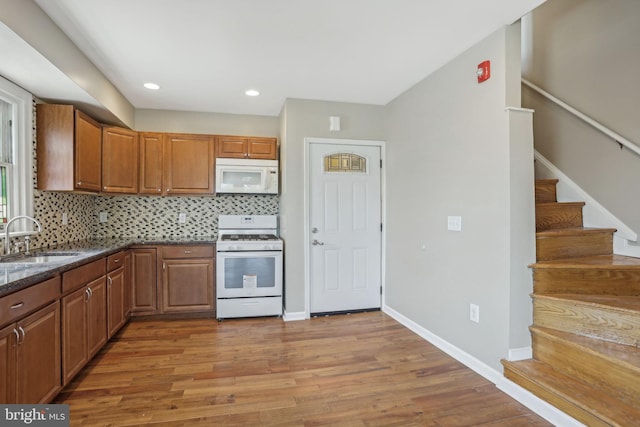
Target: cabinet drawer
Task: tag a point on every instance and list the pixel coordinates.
(27, 300)
(80, 276)
(198, 251)
(115, 261)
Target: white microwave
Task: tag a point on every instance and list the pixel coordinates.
(246, 176)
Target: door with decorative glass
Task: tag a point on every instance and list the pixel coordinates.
(345, 227)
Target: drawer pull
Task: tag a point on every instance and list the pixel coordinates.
(188, 252)
(18, 305)
(116, 261)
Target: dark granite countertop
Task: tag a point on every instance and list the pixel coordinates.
(15, 275)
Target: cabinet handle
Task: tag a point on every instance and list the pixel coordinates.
(15, 331)
(164, 265)
(90, 292)
(86, 292)
(18, 305)
(168, 189)
(116, 261)
(24, 334)
(110, 280)
(79, 183)
(188, 252)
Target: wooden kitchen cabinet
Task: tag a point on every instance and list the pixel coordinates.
(151, 169)
(69, 149)
(119, 160)
(118, 284)
(247, 147)
(188, 164)
(143, 281)
(187, 279)
(30, 344)
(84, 316)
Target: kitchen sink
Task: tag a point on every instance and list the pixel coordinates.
(42, 257)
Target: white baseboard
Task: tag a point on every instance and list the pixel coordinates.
(522, 353)
(539, 406)
(293, 316)
(594, 214)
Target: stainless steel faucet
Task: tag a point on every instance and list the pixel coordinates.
(7, 246)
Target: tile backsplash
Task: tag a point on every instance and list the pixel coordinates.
(135, 216)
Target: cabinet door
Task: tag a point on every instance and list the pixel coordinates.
(8, 342)
(127, 288)
(97, 316)
(88, 153)
(188, 161)
(38, 356)
(143, 280)
(115, 301)
(262, 148)
(74, 333)
(231, 147)
(150, 163)
(187, 285)
(119, 160)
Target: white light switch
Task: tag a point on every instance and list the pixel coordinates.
(454, 223)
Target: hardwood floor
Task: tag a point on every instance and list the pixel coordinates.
(350, 370)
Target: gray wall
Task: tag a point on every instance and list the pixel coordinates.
(301, 119)
(586, 53)
(448, 153)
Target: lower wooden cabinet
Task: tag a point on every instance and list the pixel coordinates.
(187, 279)
(30, 357)
(84, 316)
(143, 281)
(118, 286)
(30, 344)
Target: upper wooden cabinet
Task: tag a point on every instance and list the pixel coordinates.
(150, 181)
(119, 160)
(69, 149)
(188, 164)
(247, 147)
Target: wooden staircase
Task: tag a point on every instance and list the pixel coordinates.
(586, 319)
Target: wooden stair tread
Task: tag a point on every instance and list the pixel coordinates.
(626, 354)
(575, 393)
(573, 231)
(610, 261)
(556, 204)
(616, 302)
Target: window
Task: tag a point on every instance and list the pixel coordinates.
(16, 155)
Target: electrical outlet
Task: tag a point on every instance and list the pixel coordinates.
(103, 217)
(474, 313)
(182, 218)
(454, 223)
(65, 218)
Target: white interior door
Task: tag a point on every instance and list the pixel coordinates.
(345, 227)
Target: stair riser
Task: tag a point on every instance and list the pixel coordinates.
(552, 217)
(586, 281)
(573, 246)
(606, 374)
(545, 192)
(599, 322)
(543, 393)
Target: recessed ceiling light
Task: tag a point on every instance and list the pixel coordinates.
(251, 92)
(152, 86)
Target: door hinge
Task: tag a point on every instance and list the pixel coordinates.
(380, 163)
(380, 289)
(380, 227)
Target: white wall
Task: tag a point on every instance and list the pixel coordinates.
(301, 119)
(448, 153)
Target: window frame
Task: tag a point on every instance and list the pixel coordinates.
(20, 183)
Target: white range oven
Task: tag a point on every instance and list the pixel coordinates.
(248, 266)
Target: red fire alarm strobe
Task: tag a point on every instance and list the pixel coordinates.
(484, 71)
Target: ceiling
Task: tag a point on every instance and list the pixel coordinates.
(204, 54)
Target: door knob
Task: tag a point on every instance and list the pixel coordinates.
(316, 243)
